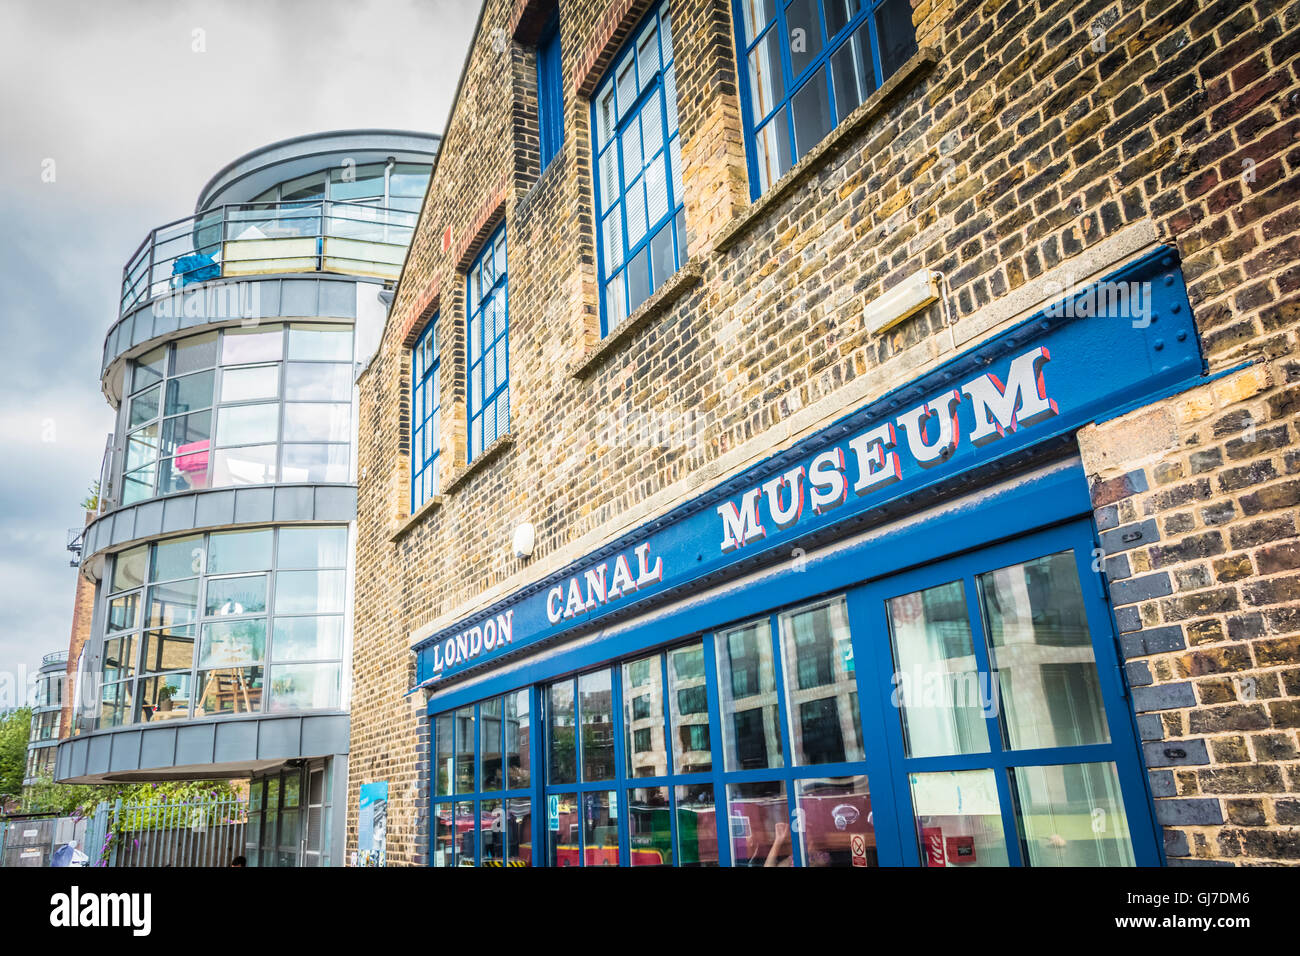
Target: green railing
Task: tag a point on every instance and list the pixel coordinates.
(254, 239)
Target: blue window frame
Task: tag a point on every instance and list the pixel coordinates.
(488, 323)
(805, 66)
(844, 716)
(425, 417)
(641, 236)
(550, 91)
(482, 805)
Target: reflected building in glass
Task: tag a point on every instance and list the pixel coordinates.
(48, 697)
(222, 547)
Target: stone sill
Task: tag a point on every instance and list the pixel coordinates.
(920, 63)
(489, 453)
(685, 279)
(406, 524)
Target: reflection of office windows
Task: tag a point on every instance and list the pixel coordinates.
(823, 740)
(640, 708)
(751, 739)
(693, 700)
(742, 648)
(641, 741)
(694, 737)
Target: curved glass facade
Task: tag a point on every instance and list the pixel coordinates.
(239, 406)
(230, 622)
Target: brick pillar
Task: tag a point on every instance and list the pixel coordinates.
(1195, 502)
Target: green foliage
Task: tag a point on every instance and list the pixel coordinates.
(91, 501)
(65, 799)
(15, 729)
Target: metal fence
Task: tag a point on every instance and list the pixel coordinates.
(32, 840)
(207, 832)
(259, 238)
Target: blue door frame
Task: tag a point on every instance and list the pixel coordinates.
(1039, 515)
(872, 643)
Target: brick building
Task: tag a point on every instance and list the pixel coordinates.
(1020, 275)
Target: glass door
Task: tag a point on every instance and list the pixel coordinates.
(1004, 709)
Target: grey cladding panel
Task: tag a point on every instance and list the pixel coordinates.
(126, 751)
(194, 744)
(236, 740)
(214, 508)
(158, 747)
(254, 504)
(293, 504)
(278, 738)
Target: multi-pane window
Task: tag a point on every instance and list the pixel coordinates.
(807, 64)
(638, 174)
(425, 419)
(289, 816)
(196, 624)
(401, 187)
(489, 361)
(550, 90)
(240, 406)
(482, 806)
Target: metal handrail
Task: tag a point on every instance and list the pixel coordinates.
(55, 657)
(194, 249)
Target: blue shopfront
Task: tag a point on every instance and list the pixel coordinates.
(889, 644)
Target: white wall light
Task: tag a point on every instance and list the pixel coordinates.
(905, 299)
(525, 539)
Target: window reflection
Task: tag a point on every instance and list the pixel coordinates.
(1041, 650)
(561, 742)
(821, 684)
(1072, 815)
(689, 710)
(938, 686)
(958, 818)
(518, 739)
(747, 688)
(649, 823)
(490, 743)
(595, 709)
(465, 750)
(224, 408)
(564, 830)
(837, 824)
(759, 824)
(643, 718)
(600, 828)
(519, 832)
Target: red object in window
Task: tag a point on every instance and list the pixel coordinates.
(192, 457)
(932, 843)
(961, 849)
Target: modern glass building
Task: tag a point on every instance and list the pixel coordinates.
(48, 698)
(222, 551)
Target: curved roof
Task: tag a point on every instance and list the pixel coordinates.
(256, 171)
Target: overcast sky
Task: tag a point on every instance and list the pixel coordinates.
(136, 110)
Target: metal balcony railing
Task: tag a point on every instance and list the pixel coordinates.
(55, 657)
(251, 239)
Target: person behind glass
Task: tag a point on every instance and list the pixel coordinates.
(239, 861)
(780, 854)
